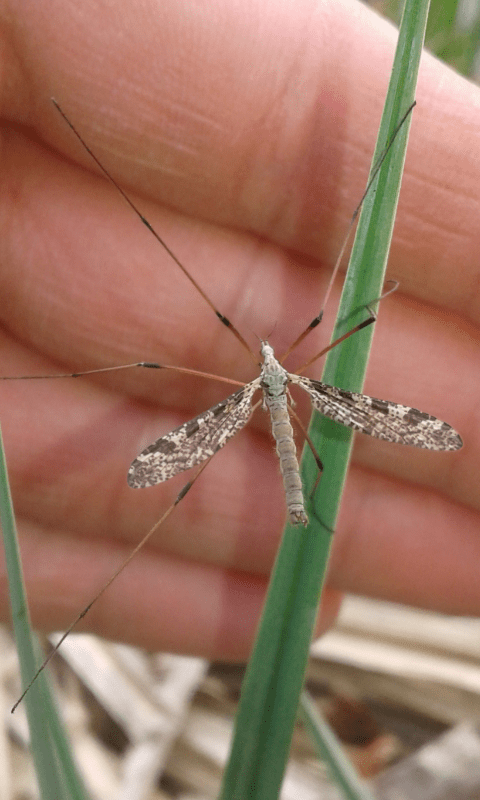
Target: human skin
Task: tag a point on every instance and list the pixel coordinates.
(244, 133)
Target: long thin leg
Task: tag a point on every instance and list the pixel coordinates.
(316, 321)
(115, 575)
(224, 320)
(144, 364)
(366, 322)
(151, 365)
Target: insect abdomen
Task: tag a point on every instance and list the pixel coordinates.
(287, 453)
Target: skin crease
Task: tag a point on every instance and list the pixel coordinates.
(244, 132)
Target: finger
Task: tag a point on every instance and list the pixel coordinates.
(241, 488)
(58, 459)
(151, 287)
(424, 358)
(182, 606)
(405, 544)
(288, 158)
(232, 516)
(375, 553)
(90, 307)
(289, 295)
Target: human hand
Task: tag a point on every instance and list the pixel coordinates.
(246, 142)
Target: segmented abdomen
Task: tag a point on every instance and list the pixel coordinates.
(283, 434)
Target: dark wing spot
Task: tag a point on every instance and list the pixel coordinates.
(191, 428)
(229, 403)
(344, 394)
(219, 408)
(238, 396)
(165, 446)
(415, 416)
(379, 405)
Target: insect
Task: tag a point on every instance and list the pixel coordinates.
(195, 442)
(200, 438)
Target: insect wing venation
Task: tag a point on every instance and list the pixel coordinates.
(194, 441)
(380, 418)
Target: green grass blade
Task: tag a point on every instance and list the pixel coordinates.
(330, 751)
(346, 365)
(56, 773)
(275, 674)
(453, 31)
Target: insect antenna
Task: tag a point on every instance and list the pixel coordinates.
(223, 319)
(317, 320)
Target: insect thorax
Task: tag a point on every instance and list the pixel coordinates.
(274, 377)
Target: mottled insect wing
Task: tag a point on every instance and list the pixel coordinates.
(194, 441)
(380, 418)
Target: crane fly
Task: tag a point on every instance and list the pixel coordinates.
(195, 442)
